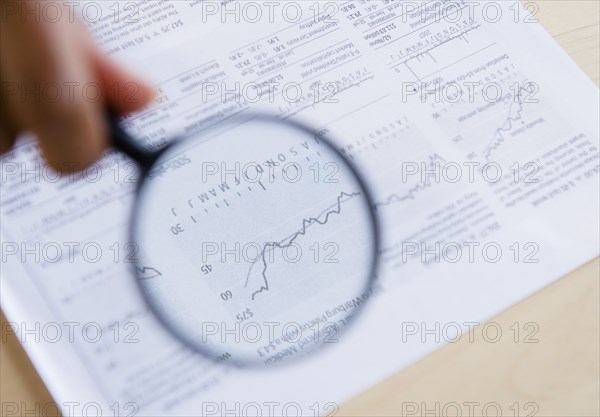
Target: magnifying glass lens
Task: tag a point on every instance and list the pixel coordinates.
(256, 243)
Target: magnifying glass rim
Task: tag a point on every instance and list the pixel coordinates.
(133, 228)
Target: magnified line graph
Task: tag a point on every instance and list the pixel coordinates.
(412, 192)
(321, 219)
(499, 135)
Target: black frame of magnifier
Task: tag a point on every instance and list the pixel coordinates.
(147, 160)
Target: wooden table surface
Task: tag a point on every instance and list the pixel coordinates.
(557, 376)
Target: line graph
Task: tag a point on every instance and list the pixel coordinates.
(411, 193)
(428, 55)
(321, 219)
(515, 114)
(425, 47)
(147, 272)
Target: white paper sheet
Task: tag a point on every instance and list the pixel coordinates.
(361, 69)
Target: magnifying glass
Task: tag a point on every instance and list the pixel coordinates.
(257, 240)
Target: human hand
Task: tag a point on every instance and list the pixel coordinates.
(58, 85)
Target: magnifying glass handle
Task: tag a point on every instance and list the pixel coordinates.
(123, 142)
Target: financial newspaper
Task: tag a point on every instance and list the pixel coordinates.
(476, 133)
